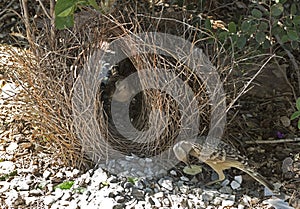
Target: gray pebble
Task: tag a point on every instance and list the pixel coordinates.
(226, 190)
(120, 199)
(128, 185)
(138, 194)
(184, 178)
(208, 196)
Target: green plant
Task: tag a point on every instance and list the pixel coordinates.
(297, 113)
(132, 179)
(65, 185)
(267, 25)
(65, 9)
(6, 176)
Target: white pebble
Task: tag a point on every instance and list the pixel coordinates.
(236, 183)
(12, 147)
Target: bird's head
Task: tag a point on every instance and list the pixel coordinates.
(182, 150)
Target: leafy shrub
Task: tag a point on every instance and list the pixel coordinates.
(297, 113)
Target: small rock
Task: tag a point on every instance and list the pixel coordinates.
(208, 196)
(159, 195)
(46, 174)
(148, 160)
(30, 200)
(35, 192)
(217, 201)
(241, 206)
(173, 173)
(139, 184)
(155, 202)
(225, 182)
(69, 174)
(149, 191)
(23, 186)
(227, 203)
(286, 122)
(73, 205)
(166, 183)
(19, 201)
(246, 200)
(6, 167)
(12, 147)
(4, 186)
(107, 203)
(184, 189)
(138, 194)
(236, 183)
(59, 175)
(128, 185)
(67, 196)
(120, 199)
(50, 187)
(49, 199)
(226, 190)
(98, 177)
(184, 178)
(58, 193)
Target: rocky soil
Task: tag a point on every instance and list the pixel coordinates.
(33, 176)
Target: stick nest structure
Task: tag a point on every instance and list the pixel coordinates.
(94, 107)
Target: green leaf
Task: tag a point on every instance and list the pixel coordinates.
(132, 179)
(232, 27)
(66, 12)
(234, 38)
(298, 124)
(241, 42)
(64, 22)
(293, 9)
(246, 26)
(263, 26)
(293, 35)
(298, 104)
(284, 38)
(207, 24)
(276, 29)
(94, 4)
(288, 22)
(252, 29)
(266, 44)
(65, 185)
(256, 13)
(295, 115)
(294, 45)
(296, 20)
(223, 35)
(260, 37)
(64, 8)
(192, 170)
(276, 10)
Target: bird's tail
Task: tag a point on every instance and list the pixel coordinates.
(260, 178)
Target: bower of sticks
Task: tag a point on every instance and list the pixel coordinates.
(71, 79)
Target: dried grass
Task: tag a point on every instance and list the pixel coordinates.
(59, 65)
